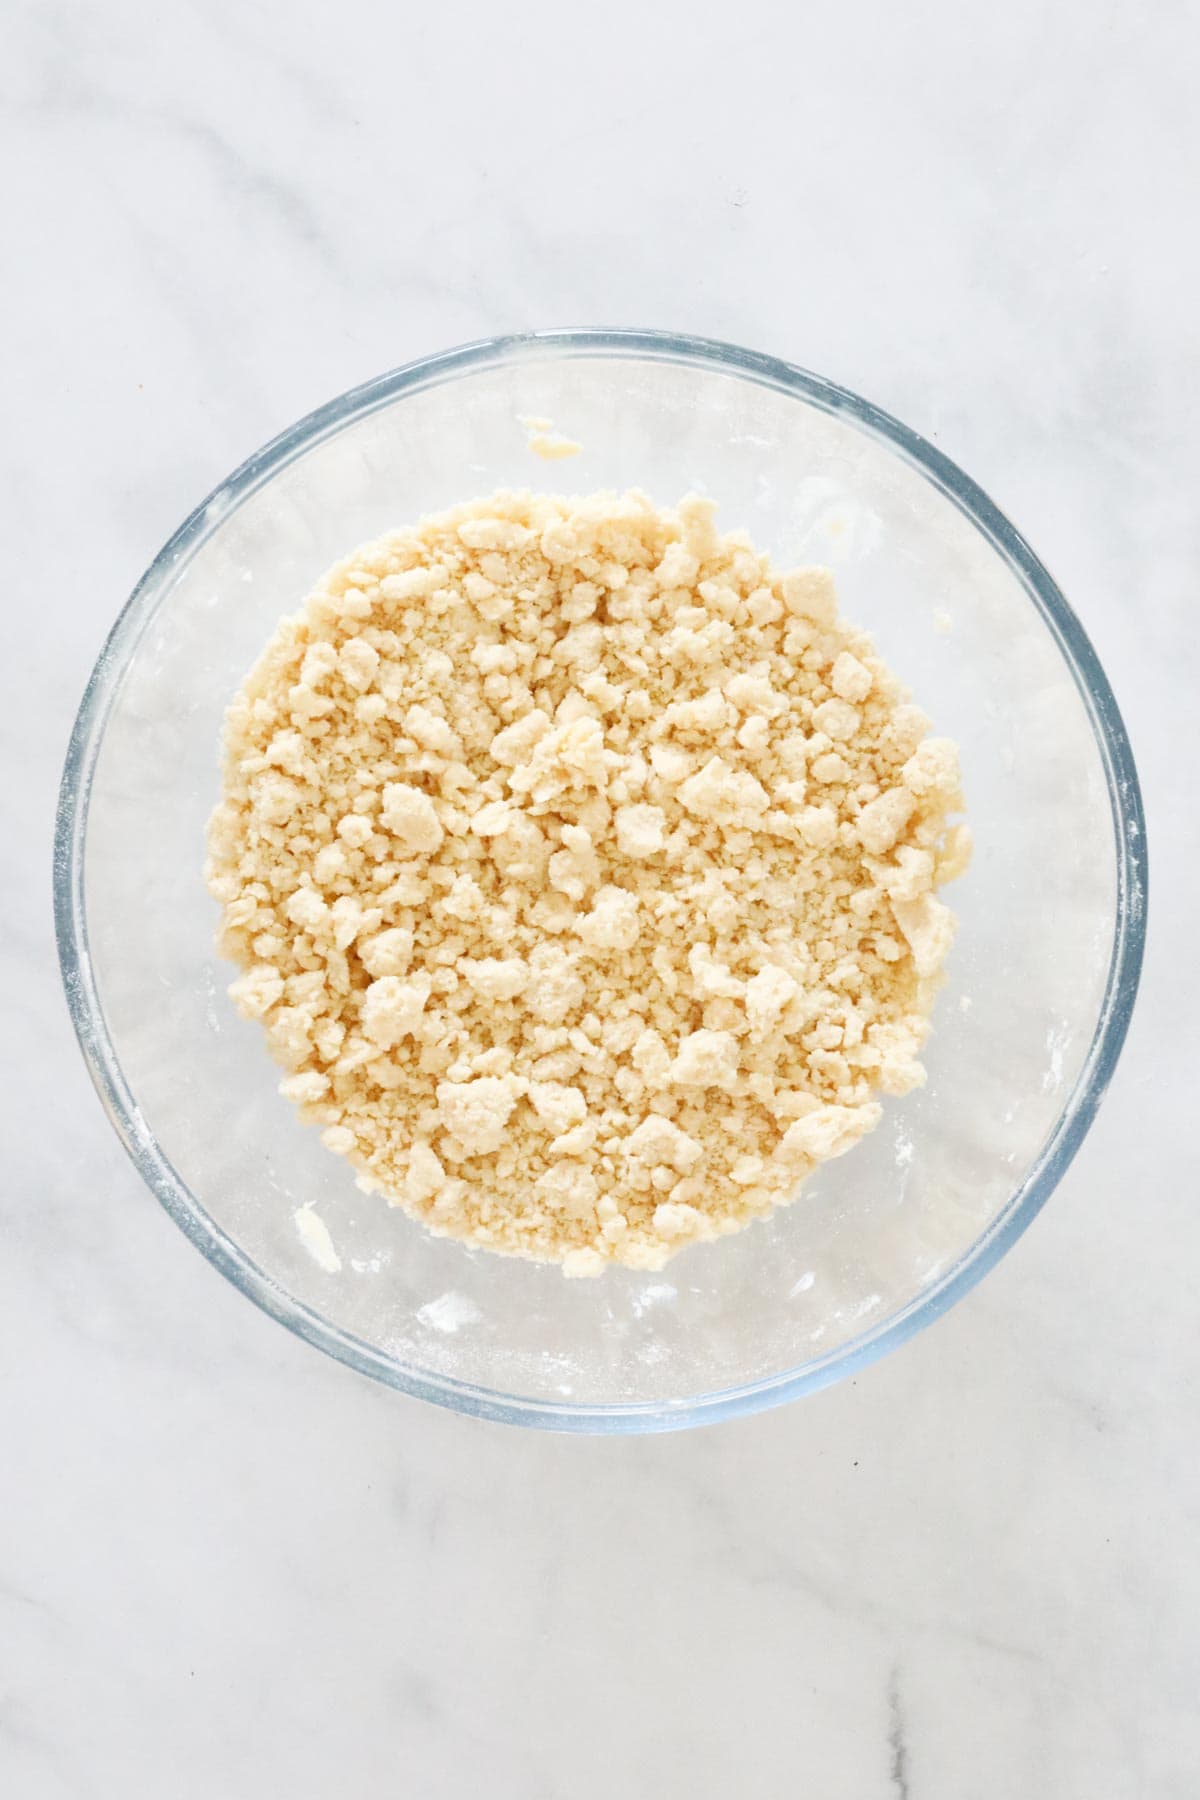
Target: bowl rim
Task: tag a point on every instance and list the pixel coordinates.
(1079, 1108)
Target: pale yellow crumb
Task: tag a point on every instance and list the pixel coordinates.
(545, 442)
(581, 870)
(553, 449)
(943, 622)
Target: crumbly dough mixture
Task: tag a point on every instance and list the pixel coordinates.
(582, 869)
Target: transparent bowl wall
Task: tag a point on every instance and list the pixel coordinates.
(1026, 1030)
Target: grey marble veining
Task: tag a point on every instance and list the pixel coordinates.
(229, 1567)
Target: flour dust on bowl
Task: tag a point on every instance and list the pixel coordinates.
(1026, 1030)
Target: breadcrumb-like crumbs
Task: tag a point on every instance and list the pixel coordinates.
(582, 873)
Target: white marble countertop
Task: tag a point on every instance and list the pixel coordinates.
(231, 1568)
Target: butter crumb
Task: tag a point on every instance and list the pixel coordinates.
(545, 442)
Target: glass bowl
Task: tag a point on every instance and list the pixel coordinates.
(1027, 1029)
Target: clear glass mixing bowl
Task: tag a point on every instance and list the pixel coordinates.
(1027, 1029)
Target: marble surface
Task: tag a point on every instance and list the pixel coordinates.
(229, 1567)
